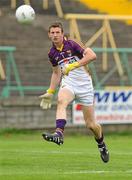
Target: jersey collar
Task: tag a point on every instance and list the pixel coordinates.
(60, 48)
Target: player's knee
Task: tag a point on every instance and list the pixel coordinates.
(61, 102)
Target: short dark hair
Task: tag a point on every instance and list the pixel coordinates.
(56, 24)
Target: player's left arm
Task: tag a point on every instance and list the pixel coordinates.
(88, 56)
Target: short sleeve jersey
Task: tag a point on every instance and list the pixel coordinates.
(70, 53)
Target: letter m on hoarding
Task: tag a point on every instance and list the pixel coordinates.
(99, 97)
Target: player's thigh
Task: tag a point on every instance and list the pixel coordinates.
(65, 96)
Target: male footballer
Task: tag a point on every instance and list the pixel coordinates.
(69, 60)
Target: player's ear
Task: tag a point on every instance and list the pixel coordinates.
(49, 35)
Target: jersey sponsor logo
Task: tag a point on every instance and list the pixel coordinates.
(68, 60)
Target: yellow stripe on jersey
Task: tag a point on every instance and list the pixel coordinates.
(60, 48)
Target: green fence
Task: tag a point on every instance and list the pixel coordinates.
(11, 66)
(99, 83)
(123, 53)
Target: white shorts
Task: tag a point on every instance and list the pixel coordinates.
(83, 92)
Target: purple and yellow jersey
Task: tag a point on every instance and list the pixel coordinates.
(69, 52)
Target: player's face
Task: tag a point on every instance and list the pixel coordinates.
(56, 35)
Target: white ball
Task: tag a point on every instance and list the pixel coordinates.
(25, 14)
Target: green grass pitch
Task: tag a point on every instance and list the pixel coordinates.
(26, 156)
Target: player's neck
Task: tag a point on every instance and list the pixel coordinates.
(59, 45)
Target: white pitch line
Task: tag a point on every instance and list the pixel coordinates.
(41, 151)
(98, 172)
(70, 172)
(62, 152)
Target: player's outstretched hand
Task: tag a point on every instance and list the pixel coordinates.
(46, 99)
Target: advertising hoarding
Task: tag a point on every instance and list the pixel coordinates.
(111, 107)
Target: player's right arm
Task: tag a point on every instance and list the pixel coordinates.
(55, 78)
(46, 99)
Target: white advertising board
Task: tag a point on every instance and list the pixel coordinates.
(111, 107)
